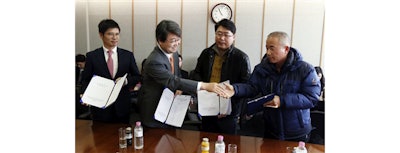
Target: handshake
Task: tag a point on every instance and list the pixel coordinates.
(222, 89)
(226, 90)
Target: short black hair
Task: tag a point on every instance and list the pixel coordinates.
(228, 24)
(106, 24)
(318, 69)
(80, 58)
(165, 27)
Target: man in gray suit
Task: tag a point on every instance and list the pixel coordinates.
(159, 73)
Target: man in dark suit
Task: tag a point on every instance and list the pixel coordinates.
(159, 73)
(81, 111)
(112, 62)
(80, 60)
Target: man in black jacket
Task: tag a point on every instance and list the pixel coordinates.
(221, 62)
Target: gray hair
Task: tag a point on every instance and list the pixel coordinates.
(283, 37)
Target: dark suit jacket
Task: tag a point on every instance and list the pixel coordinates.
(157, 76)
(77, 72)
(97, 65)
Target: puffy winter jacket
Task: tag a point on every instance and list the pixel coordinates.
(298, 88)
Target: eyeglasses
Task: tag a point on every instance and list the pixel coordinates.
(174, 40)
(223, 34)
(110, 34)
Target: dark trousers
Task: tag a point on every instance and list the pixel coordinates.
(225, 125)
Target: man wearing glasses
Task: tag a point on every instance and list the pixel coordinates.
(220, 62)
(161, 70)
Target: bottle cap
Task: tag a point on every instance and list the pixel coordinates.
(138, 123)
(205, 139)
(220, 138)
(302, 144)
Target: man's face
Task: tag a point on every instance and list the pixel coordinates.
(171, 44)
(81, 65)
(223, 38)
(110, 37)
(276, 52)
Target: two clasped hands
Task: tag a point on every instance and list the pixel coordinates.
(226, 90)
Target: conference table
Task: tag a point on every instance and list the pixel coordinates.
(98, 137)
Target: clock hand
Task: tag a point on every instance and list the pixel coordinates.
(220, 11)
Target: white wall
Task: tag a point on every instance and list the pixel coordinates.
(303, 20)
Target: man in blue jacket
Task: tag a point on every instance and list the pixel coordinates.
(295, 85)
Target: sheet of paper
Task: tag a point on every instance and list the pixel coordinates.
(208, 103)
(178, 110)
(164, 105)
(116, 90)
(98, 91)
(225, 106)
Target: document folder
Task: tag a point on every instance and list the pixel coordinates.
(256, 105)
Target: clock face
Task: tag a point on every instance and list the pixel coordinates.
(221, 11)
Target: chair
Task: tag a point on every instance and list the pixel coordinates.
(318, 124)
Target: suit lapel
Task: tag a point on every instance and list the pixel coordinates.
(165, 58)
(120, 57)
(176, 60)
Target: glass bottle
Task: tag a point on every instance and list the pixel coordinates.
(128, 135)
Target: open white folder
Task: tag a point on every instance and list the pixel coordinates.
(102, 92)
(210, 104)
(172, 109)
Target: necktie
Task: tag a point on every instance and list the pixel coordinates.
(110, 64)
(171, 61)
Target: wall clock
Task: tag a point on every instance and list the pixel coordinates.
(221, 11)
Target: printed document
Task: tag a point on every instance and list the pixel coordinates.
(102, 92)
(210, 104)
(172, 109)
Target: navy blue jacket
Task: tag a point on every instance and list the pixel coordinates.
(298, 87)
